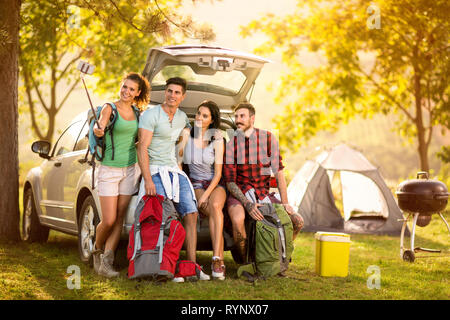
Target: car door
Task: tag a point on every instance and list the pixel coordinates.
(60, 178)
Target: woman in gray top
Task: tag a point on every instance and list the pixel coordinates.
(203, 153)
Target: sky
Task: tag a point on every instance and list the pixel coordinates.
(226, 17)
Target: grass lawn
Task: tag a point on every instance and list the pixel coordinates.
(39, 271)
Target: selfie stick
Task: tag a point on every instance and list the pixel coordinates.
(86, 68)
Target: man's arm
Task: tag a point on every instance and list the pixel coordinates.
(180, 145)
(105, 114)
(282, 188)
(250, 207)
(145, 139)
(237, 193)
(297, 220)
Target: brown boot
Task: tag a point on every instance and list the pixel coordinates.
(109, 257)
(106, 268)
(96, 258)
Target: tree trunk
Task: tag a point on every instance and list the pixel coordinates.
(422, 147)
(422, 144)
(9, 163)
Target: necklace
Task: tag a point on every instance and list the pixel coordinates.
(168, 116)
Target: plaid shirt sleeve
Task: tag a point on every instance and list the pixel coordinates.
(229, 166)
(275, 156)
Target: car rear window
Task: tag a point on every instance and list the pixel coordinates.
(227, 83)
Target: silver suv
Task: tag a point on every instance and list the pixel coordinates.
(58, 194)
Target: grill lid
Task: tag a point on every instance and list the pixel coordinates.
(423, 188)
(424, 196)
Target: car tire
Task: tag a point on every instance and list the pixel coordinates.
(409, 256)
(87, 225)
(31, 229)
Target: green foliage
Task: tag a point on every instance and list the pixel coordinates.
(444, 175)
(400, 68)
(114, 35)
(444, 154)
(177, 71)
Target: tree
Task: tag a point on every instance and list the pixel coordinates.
(9, 184)
(114, 35)
(391, 57)
(9, 76)
(444, 154)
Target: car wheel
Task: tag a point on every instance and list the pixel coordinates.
(409, 256)
(87, 224)
(31, 228)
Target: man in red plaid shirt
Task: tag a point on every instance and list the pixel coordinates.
(251, 156)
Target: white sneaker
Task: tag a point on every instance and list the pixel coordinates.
(178, 279)
(204, 276)
(218, 269)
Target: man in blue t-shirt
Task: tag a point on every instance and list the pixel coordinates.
(159, 130)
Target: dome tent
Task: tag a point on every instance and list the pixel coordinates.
(368, 205)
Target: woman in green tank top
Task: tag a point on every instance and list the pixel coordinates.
(117, 175)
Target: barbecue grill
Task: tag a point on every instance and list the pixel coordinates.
(420, 198)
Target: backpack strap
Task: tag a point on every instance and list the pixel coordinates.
(160, 243)
(137, 113)
(169, 214)
(93, 171)
(87, 153)
(110, 126)
(137, 225)
(271, 219)
(94, 141)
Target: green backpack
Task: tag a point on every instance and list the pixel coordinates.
(270, 243)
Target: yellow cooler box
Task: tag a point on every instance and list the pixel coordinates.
(332, 254)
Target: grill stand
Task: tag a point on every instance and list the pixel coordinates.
(408, 254)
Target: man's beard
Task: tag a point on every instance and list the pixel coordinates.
(243, 128)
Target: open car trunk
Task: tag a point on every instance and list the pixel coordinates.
(222, 75)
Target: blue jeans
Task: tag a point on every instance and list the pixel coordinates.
(187, 202)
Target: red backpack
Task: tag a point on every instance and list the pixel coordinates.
(188, 270)
(155, 240)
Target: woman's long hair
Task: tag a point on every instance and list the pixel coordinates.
(215, 124)
(144, 97)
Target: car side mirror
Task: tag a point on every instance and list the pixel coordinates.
(42, 148)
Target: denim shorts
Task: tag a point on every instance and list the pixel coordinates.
(187, 203)
(204, 184)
